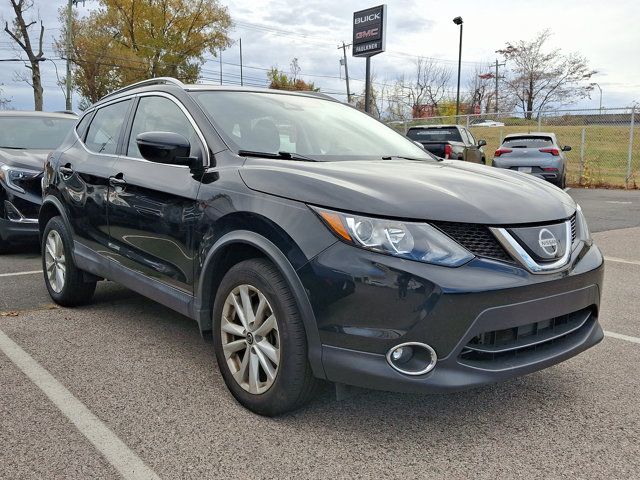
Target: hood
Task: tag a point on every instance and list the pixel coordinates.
(31, 159)
(451, 191)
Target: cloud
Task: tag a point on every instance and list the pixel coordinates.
(312, 31)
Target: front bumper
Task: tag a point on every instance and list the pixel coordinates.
(11, 231)
(366, 303)
(537, 169)
(19, 216)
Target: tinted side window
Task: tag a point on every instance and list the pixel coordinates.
(104, 130)
(159, 114)
(81, 128)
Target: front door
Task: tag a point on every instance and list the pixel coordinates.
(153, 209)
(474, 154)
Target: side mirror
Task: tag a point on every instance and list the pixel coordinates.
(165, 147)
(419, 144)
(566, 148)
(482, 143)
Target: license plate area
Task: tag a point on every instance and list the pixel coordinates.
(524, 169)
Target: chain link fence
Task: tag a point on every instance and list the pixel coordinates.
(605, 143)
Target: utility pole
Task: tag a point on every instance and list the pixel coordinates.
(346, 70)
(367, 86)
(69, 49)
(220, 58)
(241, 77)
(495, 106)
(458, 21)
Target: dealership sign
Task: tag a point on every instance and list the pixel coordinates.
(369, 31)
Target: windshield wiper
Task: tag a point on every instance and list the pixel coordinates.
(281, 155)
(13, 148)
(391, 157)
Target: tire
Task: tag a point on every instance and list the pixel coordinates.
(483, 161)
(563, 182)
(64, 281)
(244, 350)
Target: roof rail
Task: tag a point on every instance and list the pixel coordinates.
(145, 83)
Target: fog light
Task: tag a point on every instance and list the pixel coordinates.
(412, 358)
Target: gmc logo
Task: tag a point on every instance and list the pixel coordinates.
(367, 33)
(367, 18)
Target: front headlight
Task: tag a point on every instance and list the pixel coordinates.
(12, 176)
(413, 241)
(582, 229)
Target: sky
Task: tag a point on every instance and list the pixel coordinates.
(273, 32)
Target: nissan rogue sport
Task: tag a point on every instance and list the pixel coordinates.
(313, 242)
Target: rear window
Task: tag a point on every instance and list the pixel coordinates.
(434, 134)
(527, 142)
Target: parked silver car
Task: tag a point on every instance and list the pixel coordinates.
(536, 153)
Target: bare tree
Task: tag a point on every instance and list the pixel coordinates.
(295, 69)
(479, 88)
(374, 94)
(4, 102)
(539, 78)
(19, 32)
(427, 86)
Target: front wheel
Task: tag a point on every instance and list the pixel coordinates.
(260, 340)
(64, 281)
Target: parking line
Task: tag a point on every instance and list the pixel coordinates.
(622, 260)
(16, 274)
(121, 457)
(619, 336)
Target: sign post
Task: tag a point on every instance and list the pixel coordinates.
(369, 39)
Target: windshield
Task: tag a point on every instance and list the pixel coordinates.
(34, 133)
(435, 134)
(527, 142)
(314, 127)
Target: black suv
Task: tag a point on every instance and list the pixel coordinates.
(26, 138)
(316, 243)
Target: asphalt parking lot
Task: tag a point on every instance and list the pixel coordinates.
(135, 381)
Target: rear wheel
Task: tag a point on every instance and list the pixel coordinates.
(64, 281)
(260, 340)
(562, 183)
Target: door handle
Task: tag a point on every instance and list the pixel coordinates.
(67, 171)
(117, 181)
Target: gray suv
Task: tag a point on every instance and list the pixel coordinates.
(536, 153)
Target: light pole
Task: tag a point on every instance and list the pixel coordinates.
(600, 96)
(458, 21)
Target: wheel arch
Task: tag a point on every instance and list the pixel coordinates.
(52, 207)
(239, 245)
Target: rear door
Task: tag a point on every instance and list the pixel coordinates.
(84, 172)
(153, 208)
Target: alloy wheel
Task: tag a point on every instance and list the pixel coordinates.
(250, 339)
(55, 261)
